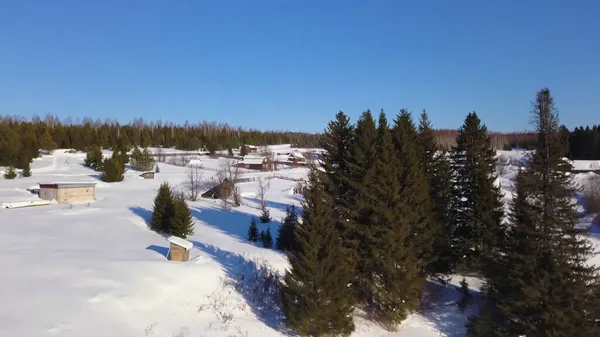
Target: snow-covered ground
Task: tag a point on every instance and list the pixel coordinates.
(97, 270)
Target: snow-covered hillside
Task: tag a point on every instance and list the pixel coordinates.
(97, 270)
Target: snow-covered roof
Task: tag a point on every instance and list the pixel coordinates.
(180, 242)
(253, 160)
(195, 162)
(586, 165)
(298, 154)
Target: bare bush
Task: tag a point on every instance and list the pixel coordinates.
(182, 160)
(160, 155)
(194, 182)
(591, 192)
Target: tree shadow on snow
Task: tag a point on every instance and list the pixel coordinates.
(97, 176)
(142, 212)
(271, 204)
(442, 311)
(255, 281)
(159, 249)
(232, 222)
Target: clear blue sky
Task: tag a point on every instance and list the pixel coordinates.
(292, 64)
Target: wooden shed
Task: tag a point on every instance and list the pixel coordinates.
(223, 190)
(179, 249)
(66, 193)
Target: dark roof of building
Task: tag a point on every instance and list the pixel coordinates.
(68, 185)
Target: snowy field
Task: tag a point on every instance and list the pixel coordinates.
(96, 270)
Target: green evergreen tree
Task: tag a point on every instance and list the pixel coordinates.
(253, 234)
(315, 296)
(10, 172)
(265, 216)
(359, 160)
(229, 151)
(437, 171)
(141, 161)
(415, 193)
(476, 205)
(26, 168)
(266, 238)
(389, 293)
(94, 158)
(181, 224)
(164, 209)
(336, 142)
(542, 284)
(113, 170)
(46, 142)
(243, 150)
(286, 235)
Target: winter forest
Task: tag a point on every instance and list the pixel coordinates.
(392, 207)
(388, 213)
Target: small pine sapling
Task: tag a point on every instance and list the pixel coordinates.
(26, 169)
(465, 297)
(10, 173)
(266, 238)
(253, 231)
(265, 217)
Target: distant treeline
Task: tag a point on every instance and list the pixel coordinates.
(20, 139)
(500, 141)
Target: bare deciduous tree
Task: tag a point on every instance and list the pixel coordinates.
(194, 182)
(592, 195)
(263, 187)
(227, 178)
(160, 154)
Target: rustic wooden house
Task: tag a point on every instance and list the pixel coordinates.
(179, 249)
(249, 148)
(66, 193)
(147, 175)
(222, 190)
(297, 158)
(254, 163)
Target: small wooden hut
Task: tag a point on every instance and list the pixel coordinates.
(222, 190)
(179, 249)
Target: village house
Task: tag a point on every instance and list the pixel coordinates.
(249, 148)
(254, 163)
(297, 158)
(66, 193)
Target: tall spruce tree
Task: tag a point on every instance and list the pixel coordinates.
(181, 224)
(476, 205)
(415, 192)
(542, 284)
(164, 209)
(286, 235)
(315, 295)
(437, 170)
(388, 281)
(336, 141)
(358, 160)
